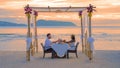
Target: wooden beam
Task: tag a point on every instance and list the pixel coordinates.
(61, 9)
(56, 7)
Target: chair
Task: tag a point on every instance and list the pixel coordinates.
(45, 51)
(73, 51)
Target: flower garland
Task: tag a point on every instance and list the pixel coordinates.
(35, 13)
(80, 14)
(28, 11)
(90, 10)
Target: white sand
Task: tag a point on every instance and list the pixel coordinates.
(102, 59)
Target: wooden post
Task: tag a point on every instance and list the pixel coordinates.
(32, 46)
(86, 43)
(28, 12)
(82, 35)
(90, 33)
(80, 16)
(28, 52)
(28, 26)
(36, 39)
(28, 55)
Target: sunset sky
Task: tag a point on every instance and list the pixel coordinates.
(108, 11)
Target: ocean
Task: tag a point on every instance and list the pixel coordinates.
(13, 38)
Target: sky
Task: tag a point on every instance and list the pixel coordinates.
(107, 11)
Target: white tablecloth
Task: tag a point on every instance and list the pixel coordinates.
(60, 49)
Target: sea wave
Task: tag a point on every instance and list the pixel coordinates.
(100, 36)
(110, 27)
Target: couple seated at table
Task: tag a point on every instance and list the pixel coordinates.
(49, 43)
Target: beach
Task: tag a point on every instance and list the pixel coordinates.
(102, 59)
(13, 47)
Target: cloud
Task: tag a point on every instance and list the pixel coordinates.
(107, 10)
(59, 1)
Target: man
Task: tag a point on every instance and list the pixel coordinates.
(48, 42)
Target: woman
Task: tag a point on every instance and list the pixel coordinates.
(72, 41)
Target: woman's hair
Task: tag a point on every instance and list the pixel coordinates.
(48, 34)
(73, 38)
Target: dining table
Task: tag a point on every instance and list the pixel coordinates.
(60, 50)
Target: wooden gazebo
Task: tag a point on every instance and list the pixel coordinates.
(85, 14)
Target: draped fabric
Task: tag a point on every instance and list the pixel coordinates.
(28, 43)
(91, 41)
